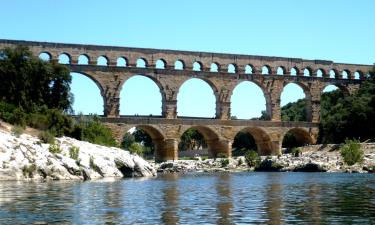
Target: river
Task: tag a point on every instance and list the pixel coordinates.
(195, 198)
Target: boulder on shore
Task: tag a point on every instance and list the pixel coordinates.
(27, 158)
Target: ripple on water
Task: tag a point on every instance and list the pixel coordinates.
(222, 198)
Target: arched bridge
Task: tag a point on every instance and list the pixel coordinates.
(169, 69)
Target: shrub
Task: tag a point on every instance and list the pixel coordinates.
(28, 171)
(252, 158)
(221, 155)
(224, 162)
(47, 137)
(268, 165)
(136, 148)
(351, 152)
(74, 152)
(296, 152)
(17, 131)
(240, 162)
(54, 148)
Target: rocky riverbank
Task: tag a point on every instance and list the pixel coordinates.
(27, 158)
(314, 158)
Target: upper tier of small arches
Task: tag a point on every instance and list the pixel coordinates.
(190, 61)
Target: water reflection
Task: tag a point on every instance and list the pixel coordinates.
(224, 204)
(225, 198)
(170, 192)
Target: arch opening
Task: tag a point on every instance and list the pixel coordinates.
(141, 63)
(91, 91)
(243, 107)
(295, 103)
(192, 144)
(179, 65)
(64, 58)
(196, 98)
(345, 74)
(160, 64)
(249, 69)
(296, 137)
(140, 95)
(214, 67)
(307, 72)
(255, 139)
(280, 70)
(294, 71)
(102, 61)
(201, 141)
(121, 62)
(232, 68)
(45, 56)
(197, 66)
(266, 70)
(145, 140)
(319, 73)
(357, 75)
(332, 74)
(83, 60)
(243, 142)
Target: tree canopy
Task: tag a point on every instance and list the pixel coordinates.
(29, 82)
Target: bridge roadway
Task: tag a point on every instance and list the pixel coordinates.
(218, 134)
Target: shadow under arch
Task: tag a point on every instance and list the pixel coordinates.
(154, 80)
(308, 97)
(211, 138)
(98, 85)
(262, 140)
(157, 136)
(266, 96)
(210, 84)
(301, 137)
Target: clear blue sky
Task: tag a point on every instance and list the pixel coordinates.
(338, 30)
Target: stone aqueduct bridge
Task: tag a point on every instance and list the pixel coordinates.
(220, 131)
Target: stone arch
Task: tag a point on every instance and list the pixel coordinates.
(342, 88)
(98, 85)
(102, 61)
(294, 71)
(262, 140)
(333, 73)
(301, 135)
(358, 75)
(45, 56)
(197, 66)
(122, 61)
(64, 58)
(266, 70)
(320, 73)
(157, 137)
(141, 63)
(232, 68)
(307, 72)
(266, 95)
(211, 137)
(206, 81)
(83, 59)
(215, 67)
(160, 64)
(249, 69)
(345, 74)
(179, 65)
(151, 78)
(281, 70)
(308, 97)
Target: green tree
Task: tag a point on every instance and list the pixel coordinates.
(28, 82)
(191, 139)
(127, 140)
(294, 111)
(144, 138)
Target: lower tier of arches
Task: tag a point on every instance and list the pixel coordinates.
(219, 138)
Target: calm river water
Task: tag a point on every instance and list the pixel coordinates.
(222, 198)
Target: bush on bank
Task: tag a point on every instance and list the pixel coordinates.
(351, 152)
